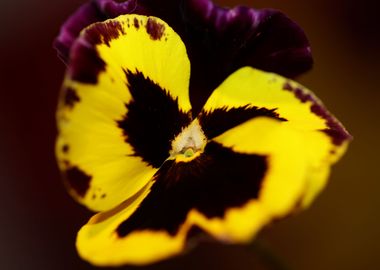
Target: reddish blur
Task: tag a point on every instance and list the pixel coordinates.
(39, 220)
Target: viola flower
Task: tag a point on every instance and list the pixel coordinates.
(159, 167)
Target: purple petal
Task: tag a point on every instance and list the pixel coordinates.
(114, 8)
(84, 16)
(220, 41)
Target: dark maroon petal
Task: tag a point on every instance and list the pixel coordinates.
(113, 8)
(218, 40)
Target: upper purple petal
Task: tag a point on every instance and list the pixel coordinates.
(114, 8)
(83, 17)
(218, 40)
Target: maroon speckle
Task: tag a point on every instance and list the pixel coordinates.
(136, 23)
(303, 96)
(103, 196)
(70, 97)
(78, 180)
(338, 136)
(287, 86)
(335, 130)
(155, 29)
(298, 92)
(65, 148)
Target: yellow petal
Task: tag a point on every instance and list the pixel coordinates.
(99, 243)
(324, 138)
(126, 86)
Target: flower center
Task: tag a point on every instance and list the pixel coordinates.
(189, 144)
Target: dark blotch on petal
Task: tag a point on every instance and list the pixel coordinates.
(155, 29)
(65, 148)
(78, 180)
(70, 97)
(104, 32)
(153, 119)
(219, 179)
(86, 63)
(136, 23)
(216, 122)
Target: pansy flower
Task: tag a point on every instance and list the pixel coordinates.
(167, 141)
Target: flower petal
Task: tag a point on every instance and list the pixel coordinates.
(325, 138)
(125, 97)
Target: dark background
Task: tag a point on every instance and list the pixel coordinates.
(39, 221)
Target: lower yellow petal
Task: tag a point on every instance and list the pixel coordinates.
(99, 243)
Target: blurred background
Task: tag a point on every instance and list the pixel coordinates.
(39, 221)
